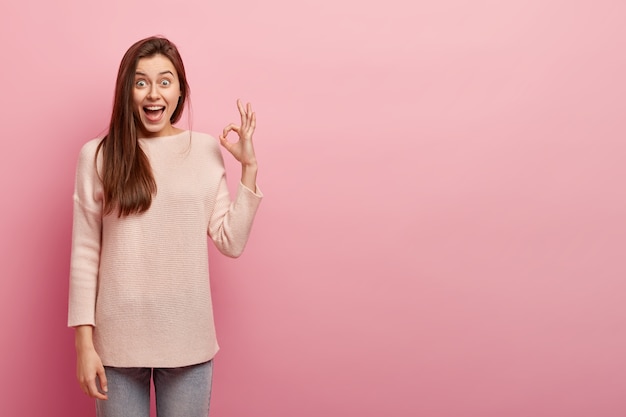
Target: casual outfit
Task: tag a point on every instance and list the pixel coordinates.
(142, 280)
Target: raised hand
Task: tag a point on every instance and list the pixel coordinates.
(242, 150)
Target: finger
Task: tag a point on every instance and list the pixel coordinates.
(242, 112)
(252, 122)
(103, 380)
(225, 143)
(251, 126)
(92, 390)
(84, 384)
(249, 114)
(230, 127)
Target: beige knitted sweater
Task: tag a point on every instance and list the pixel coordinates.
(143, 280)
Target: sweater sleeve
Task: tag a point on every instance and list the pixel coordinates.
(86, 239)
(231, 221)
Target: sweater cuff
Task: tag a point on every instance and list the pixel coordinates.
(258, 193)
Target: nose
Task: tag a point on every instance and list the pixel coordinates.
(153, 92)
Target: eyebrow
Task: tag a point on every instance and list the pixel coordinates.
(160, 73)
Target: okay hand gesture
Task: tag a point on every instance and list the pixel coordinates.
(242, 150)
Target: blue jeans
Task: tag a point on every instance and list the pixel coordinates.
(179, 392)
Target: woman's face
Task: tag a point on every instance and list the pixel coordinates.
(155, 95)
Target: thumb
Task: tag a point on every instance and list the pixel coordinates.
(103, 379)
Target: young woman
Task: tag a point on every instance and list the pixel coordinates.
(146, 197)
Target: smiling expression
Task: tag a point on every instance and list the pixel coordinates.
(155, 95)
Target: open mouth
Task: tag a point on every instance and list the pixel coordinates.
(154, 113)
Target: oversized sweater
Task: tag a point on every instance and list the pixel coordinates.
(142, 280)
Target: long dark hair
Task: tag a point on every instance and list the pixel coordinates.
(126, 173)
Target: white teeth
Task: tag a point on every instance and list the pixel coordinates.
(154, 108)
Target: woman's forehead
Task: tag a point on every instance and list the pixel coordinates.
(155, 65)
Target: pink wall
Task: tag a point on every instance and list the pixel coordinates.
(443, 232)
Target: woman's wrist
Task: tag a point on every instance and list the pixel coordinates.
(83, 337)
(248, 176)
(249, 165)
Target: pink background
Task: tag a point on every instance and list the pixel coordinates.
(443, 232)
